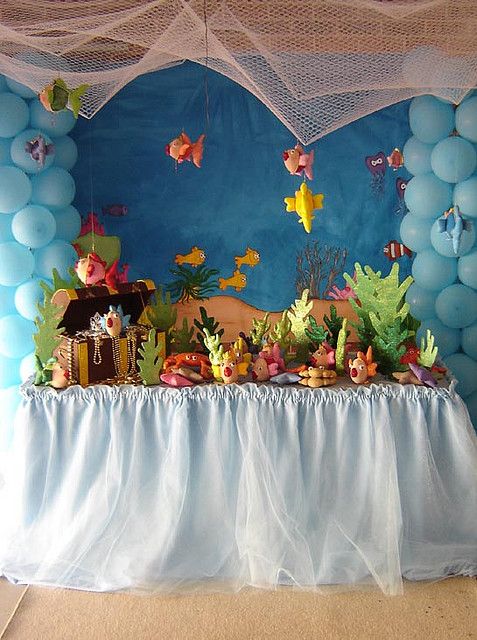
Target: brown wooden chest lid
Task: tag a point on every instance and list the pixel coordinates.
(79, 305)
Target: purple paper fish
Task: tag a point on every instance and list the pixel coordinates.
(115, 210)
(38, 149)
(423, 375)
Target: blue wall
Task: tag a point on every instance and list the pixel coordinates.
(236, 199)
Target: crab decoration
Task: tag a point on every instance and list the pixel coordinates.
(192, 360)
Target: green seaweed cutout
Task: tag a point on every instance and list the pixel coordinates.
(281, 332)
(340, 352)
(160, 311)
(150, 361)
(193, 283)
(213, 346)
(182, 340)
(388, 347)
(334, 324)
(259, 329)
(48, 334)
(428, 352)
(317, 333)
(298, 316)
(209, 323)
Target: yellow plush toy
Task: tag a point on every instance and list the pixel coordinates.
(304, 203)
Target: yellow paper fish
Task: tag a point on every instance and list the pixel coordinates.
(238, 280)
(195, 257)
(251, 257)
(304, 203)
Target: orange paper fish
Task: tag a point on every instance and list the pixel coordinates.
(182, 148)
(238, 280)
(395, 159)
(251, 258)
(195, 257)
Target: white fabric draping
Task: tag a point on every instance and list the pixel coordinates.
(159, 488)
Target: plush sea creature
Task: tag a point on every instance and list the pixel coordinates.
(377, 167)
(56, 97)
(453, 224)
(362, 367)
(182, 148)
(304, 203)
(51, 373)
(114, 321)
(395, 249)
(228, 369)
(190, 374)
(175, 380)
(38, 148)
(115, 210)
(323, 357)
(406, 377)
(286, 378)
(92, 270)
(315, 378)
(192, 360)
(238, 280)
(195, 257)
(395, 159)
(273, 357)
(298, 162)
(260, 370)
(242, 357)
(411, 355)
(423, 375)
(251, 258)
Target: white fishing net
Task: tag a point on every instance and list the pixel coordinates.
(317, 64)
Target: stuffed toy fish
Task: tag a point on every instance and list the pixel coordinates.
(304, 203)
(57, 97)
(114, 321)
(182, 148)
(362, 367)
(298, 162)
(51, 373)
(38, 149)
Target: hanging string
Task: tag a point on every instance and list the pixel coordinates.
(91, 185)
(206, 86)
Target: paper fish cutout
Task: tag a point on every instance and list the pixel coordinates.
(251, 258)
(56, 97)
(304, 203)
(238, 280)
(395, 159)
(115, 210)
(453, 224)
(394, 250)
(195, 257)
(298, 162)
(181, 149)
(38, 149)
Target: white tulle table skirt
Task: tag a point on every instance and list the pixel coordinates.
(156, 488)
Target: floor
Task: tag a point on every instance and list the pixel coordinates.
(444, 610)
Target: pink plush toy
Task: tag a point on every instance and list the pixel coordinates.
(176, 380)
(324, 357)
(260, 370)
(273, 358)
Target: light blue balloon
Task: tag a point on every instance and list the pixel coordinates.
(469, 341)
(467, 269)
(456, 306)
(16, 264)
(66, 152)
(432, 271)
(54, 124)
(465, 371)
(9, 372)
(417, 156)
(471, 403)
(466, 119)
(7, 301)
(34, 226)
(465, 196)
(6, 233)
(453, 159)
(16, 336)
(447, 340)
(27, 296)
(20, 89)
(5, 157)
(15, 189)
(54, 188)
(58, 255)
(430, 119)
(421, 302)
(14, 115)
(23, 158)
(443, 242)
(426, 196)
(68, 223)
(416, 232)
(27, 366)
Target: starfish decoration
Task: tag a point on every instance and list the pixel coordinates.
(406, 377)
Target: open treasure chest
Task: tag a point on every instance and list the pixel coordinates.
(90, 350)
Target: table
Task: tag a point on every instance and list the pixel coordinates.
(161, 489)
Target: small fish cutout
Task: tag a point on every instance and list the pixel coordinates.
(394, 250)
(115, 210)
(395, 159)
(38, 149)
(453, 224)
(251, 258)
(195, 257)
(57, 97)
(238, 281)
(304, 203)
(298, 162)
(182, 149)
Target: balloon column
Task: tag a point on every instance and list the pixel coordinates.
(441, 228)
(37, 225)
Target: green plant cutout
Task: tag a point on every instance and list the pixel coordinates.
(281, 332)
(209, 323)
(428, 352)
(213, 346)
(48, 334)
(259, 329)
(340, 352)
(316, 332)
(193, 283)
(298, 316)
(334, 324)
(182, 340)
(388, 348)
(160, 311)
(150, 361)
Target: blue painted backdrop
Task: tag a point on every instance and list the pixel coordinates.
(236, 199)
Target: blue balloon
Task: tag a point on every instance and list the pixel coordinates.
(27, 366)
(16, 336)
(9, 372)
(58, 255)
(465, 196)
(430, 119)
(456, 306)
(467, 269)
(15, 189)
(465, 371)
(23, 158)
(421, 301)
(5, 157)
(27, 296)
(432, 271)
(16, 264)
(7, 301)
(66, 152)
(68, 223)
(469, 341)
(20, 89)
(34, 226)
(447, 340)
(417, 156)
(443, 242)
(53, 188)
(54, 124)
(466, 119)
(14, 114)
(6, 233)
(427, 196)
(416, 232)
(453, 159)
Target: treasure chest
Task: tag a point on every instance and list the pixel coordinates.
(86, 350)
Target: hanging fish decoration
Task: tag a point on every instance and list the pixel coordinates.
(57, 97)
(38, 148)
(298, 162)
(182, 149)
(394, 250)
(395, 159)
(304, 203)
(453, 224)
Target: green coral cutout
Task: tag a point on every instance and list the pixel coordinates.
(193, 283)
(281, 332)
(340, 352)
(48, 333)
(150, 361)
(317, 333)
(428, 352)
(162, 314)
(213, 346)
(182, 340)
(388, 347)
(334, 324)
(259, 330)
(298, 316)
(209, 323)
